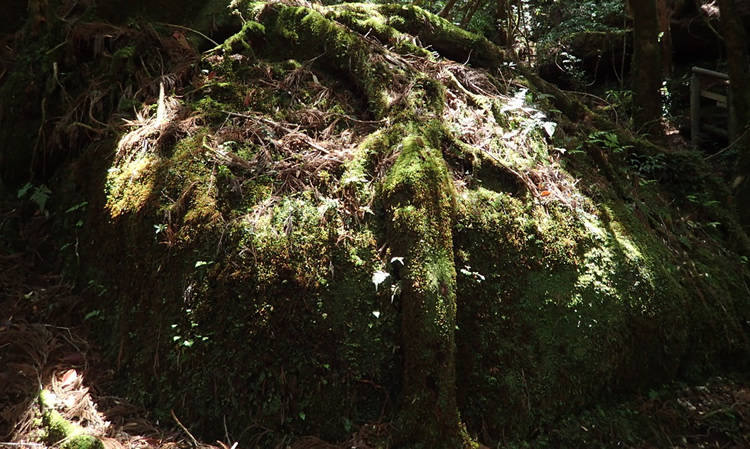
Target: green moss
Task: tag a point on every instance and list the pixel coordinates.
(344, 50)
(62, 432)
(368, 19)
(131, 186)
(83, 442)
(447, 39)
(553, 309)
(241, 41)
(419, 200)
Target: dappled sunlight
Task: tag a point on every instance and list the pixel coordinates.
(130, 186)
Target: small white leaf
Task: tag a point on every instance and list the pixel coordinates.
(397, 259)
(549, 128)
(376, 313)
(378, 277)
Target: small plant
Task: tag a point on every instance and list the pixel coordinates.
(608, 141)
(224, 171)
(522, 103)
(648, 166)
(620, 98)
(78, 206)
(39, 195)
(702, 199)
(93, 314)
(95, 287)
(379, 276)
(572, 67)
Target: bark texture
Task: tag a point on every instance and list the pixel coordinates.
(735, 40)
(646, 81)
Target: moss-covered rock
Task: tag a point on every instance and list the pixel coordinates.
(320, 230)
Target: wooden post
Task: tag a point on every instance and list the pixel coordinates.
(695, 110)
(695, 104)
(732, 120)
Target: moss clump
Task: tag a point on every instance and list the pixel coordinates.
(131, 186)
(60, 431)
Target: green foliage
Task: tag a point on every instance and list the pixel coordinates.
(39, 195)
(620, 99)
(571, 65)
(533, 118)
(554, 23)
(607, 140)
(702, 199)
(95, 287)
(648, 166)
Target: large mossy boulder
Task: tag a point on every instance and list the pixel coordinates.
(321, 226)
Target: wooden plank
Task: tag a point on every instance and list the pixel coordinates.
(721, 100)
(711, 73)
(713, 96)
(695, 111)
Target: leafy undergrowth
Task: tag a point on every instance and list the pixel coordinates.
(44, 348)
(710, 414)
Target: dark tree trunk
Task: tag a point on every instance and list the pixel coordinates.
(472, 8)
(665, 8)
(646, 80)
(502, 18)
(445, 13)
(735, 40)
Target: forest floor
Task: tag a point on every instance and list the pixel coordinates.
(44, 345)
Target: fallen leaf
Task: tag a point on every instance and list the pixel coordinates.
(111, 443)
(180, 38)
(69, 377)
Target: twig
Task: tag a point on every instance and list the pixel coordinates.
(22, 444)
(195, 442)
(365, 122)
(731, 145)
(305, 138)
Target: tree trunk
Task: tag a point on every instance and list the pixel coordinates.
(735, 40)
(472, 8)
(502, 19)
(419, 198)
(445, 13)
(646, 80)
(665, 12)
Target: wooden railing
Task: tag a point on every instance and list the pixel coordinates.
(723, 100)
